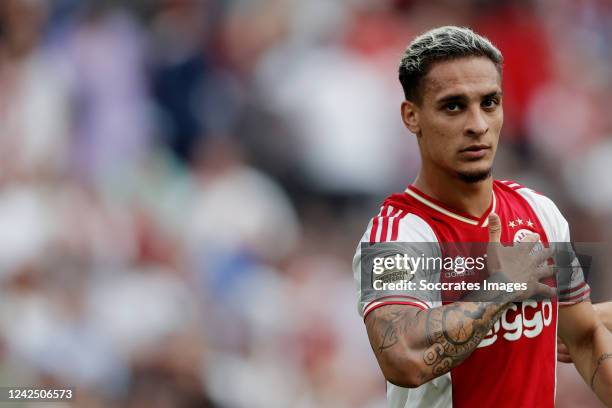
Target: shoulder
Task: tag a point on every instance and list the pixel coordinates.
(546, 210)
(392, 227)
(533, 197)
(396, 223)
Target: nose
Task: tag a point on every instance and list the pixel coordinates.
(476, 124)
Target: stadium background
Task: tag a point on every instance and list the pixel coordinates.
(183, 183)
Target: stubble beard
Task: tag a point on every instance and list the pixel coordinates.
(474, 176)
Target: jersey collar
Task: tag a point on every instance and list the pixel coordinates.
(449, 212)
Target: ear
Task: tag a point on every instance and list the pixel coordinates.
(410, 116)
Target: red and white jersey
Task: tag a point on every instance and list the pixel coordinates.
(515, 364)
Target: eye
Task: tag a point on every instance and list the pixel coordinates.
(490, 103)
(452, 107)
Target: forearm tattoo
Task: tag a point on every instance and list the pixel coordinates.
(447, 334)
(600, 360)
(454, 331)
(393, 323)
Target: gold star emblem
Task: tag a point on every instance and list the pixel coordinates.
(519, 221)
(529, 223)
(512, 224)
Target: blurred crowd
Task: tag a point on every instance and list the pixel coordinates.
(183, 183)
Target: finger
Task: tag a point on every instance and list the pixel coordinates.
(542, 256)
(528, 243)
(561, 347)
(543, 271)
(544, 290)
(563, 354)
(494, 243)
(531, 237)
(494, 228)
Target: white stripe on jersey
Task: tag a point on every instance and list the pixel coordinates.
(379, 237)
(493, 207)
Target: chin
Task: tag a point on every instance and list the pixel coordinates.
(474, 175)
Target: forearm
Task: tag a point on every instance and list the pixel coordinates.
(413, 347)
(593, 360)
(601, 358)
(454, 331)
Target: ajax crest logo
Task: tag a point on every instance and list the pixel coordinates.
(520, 235)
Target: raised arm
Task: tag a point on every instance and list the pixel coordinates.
(413, 346)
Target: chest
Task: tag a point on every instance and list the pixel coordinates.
(517, 218)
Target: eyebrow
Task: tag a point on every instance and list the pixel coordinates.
(463, 97)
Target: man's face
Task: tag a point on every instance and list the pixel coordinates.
(459, 118)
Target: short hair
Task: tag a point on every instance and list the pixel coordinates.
(441, 44)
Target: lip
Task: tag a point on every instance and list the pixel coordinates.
(476, 151)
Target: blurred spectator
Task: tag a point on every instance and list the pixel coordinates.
(34, 102)
(113, 124)
(181, 73)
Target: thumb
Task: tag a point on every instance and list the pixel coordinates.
(494, 228)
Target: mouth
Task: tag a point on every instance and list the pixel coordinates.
(475, 151)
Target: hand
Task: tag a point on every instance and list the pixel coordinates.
(519, 263)
(563, 354)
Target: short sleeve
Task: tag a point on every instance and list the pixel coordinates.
(571, 283)
(379, 285)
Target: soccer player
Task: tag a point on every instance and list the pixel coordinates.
(493, 349)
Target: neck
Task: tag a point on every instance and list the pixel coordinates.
(470, 198)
